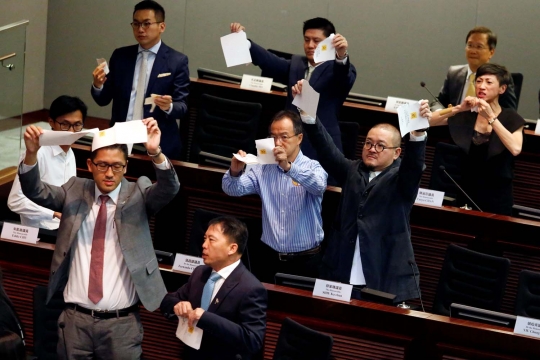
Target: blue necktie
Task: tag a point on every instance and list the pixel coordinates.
(209, 290)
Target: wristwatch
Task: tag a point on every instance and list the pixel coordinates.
(155, 155)
(491, 121)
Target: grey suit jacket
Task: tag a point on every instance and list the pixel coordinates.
(136, 202)
(454, 83)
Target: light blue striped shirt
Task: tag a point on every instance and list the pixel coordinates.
(291, 202)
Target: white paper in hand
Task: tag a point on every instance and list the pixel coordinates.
(249, 159)
(130, 132)
(191, 336)
(325, 50)
(236, 49)
(410, 119)
(50, 137)
(105, 67)
(265, 151)
(307, 100)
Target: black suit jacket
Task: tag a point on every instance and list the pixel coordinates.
(234, 323)
(120, 81)
(454, 83)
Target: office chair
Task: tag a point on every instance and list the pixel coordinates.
(517, 78)
(298, 342)
(349, 138)
(528, 294)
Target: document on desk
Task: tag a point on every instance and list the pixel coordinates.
(325, 50)
(410, 119)
(307, 100)
(265, 153)
(191, 336)
(50, 137)
(129, 132)
(236, 49)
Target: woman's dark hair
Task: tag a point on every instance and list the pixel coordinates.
(502, 74)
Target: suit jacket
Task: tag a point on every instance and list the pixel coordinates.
(234, 323)
(120, 81)
(377, 212)
(454, 84)
(136, 202)
(331, 80)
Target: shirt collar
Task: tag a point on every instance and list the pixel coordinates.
(113, 194)
(57, 150)
(469, 71)
(154, 49)
(227, 270)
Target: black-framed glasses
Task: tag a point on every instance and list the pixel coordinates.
(283, 138)
(65, 126)
(378, 147)
(101, 166)
(145, 25)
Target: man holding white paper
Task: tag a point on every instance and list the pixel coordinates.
(291, 194)
(331, 79)
(57, 164)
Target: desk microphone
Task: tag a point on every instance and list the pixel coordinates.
(62, 325)
(416, 282)
(444, 111)
(442, 168)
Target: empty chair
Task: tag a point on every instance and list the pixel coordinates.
(45, 322)
(470, 278)
(449, 156)
(349, 138)
(224, 127)
(517, 78)
(528, 294)
(298, 342)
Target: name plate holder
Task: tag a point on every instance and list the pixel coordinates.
(429, 197)
(332, 290)
(256, 83)
(186, 263)
(392, 103)
(527, 326)
(20, 233)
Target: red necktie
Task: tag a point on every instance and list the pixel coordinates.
(95, 282)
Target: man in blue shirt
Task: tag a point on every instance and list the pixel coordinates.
(291, 194)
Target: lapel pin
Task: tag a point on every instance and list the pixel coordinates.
(217, 301)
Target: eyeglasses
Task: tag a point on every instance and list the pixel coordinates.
(378, 147)
(283, 138)
(104, 166)
(65, 126)
(145, 25)
(477, 47)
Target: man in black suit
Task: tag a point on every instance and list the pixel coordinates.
(162, 70)
(479, 48)
(222, 297)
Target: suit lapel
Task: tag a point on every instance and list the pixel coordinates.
(230, 283)
(461, 82)
(159, 63)
(85, 205)
(318, 71)
(123, 197)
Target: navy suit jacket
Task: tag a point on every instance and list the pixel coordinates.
(454, 83)
(331, 80)
(120, 81)
(234, 323)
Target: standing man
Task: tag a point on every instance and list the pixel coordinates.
(222, 297)
(291, 194)
(137, 71)
(331, 79)
(104, 261)
(370, 243)
(459, 83)
(57, 164)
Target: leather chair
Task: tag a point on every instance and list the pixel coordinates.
(517, 78)
(528, 294)
(470, 278)
(349, 138)
(298, 342)
(45, 323)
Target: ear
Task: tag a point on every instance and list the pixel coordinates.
(300, 138)
(125, 168)
(397, 153)
(491, 52)
(502, 89)
(233, 248)
(89, 164)
(51, 122)
(162, 27)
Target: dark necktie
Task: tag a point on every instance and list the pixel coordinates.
(95, 282)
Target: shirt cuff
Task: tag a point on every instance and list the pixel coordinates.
(98, 89)
(168, 112)
(417, 138)
(306, 118)
(166, 165)
(342, 61)
(23, 168)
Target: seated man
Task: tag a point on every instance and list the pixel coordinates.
(291, 194)
(459, 82)
(104, 261)
(57, 164)
(371, 240)
(222, 297)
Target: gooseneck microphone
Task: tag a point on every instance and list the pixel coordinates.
(444, 111)
(62, 325)
(442, 168)
(416, 282)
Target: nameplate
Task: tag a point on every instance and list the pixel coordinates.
(256, 83)
(392, 103)
(527, 326)
(537, 128)
(186, 263)
(429, 197)
(332, 290)
(21, 233)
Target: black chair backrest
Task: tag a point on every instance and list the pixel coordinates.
(45, 323)
(517, 78)
(470, 278)
(224, 127)
(298, 342)
(447, 155)
(349, 138)
(528, 295)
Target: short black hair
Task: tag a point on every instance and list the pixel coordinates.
(235, 230)
(121, 147)
(491, 36)
(159, 11)
(319, 23)
(295, 118)
(500, 71)
(396, 135)
(65, 104)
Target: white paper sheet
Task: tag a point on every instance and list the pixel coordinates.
(249, 159)
(130, 132)
(265, 151)
(150, 101)
(50, 137)
(236, 49)
(191, 336)
(325, 50)
(308, 100)
(410, 119)
(105, 67)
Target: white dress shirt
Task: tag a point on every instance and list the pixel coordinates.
(225, 272)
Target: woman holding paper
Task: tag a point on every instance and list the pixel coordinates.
(490, 137)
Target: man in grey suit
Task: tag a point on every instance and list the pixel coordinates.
(480, 47)
(104, 261)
